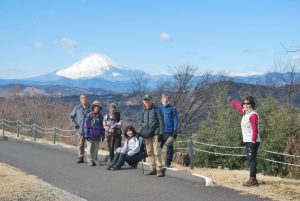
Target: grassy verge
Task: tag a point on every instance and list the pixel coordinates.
(17, 185)
(271, 187)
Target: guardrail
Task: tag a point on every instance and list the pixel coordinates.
(35, 129)
(191, 149)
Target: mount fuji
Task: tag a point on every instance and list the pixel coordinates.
(99, 66)
(93, 71)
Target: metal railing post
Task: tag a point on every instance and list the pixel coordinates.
(34, 132)
(18, 128)
(3, 127)
(191, 153)
(54, 135)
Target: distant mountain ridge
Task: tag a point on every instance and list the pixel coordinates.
(100, 71)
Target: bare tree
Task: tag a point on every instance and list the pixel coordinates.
(286, 76)
(191, 96)
(140, 85)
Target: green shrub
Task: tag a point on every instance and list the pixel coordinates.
(278, 122)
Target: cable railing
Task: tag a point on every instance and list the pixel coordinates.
(190, 147)
(35, 129)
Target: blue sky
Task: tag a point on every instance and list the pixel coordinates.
(42, 36)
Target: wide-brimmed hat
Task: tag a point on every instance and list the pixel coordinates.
(97, 103)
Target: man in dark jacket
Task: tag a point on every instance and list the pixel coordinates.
(77, 117)
(170, 130)
(152, 128)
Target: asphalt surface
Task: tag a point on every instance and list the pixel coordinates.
(57, 166)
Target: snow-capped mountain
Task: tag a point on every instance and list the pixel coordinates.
(98, 66)
(93, 71)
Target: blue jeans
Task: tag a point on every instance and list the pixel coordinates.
(251, 158)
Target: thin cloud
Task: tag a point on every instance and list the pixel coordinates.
(38, 45)
(165, 37)
(296, 58)
(66, 42)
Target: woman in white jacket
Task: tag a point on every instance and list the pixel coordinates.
(129, 152)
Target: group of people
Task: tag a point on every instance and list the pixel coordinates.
(157, 130)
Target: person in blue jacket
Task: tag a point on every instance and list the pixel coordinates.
(171, 127)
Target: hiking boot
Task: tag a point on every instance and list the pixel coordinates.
(150, 172)
(80, 160)
(116, 168)
(109, 167)
(251, 182)
(92, 163)
(160, 174)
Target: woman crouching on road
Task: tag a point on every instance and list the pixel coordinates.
(130, 152)
(251, 137)
(94, 132)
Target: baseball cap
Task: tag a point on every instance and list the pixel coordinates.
(147, 97)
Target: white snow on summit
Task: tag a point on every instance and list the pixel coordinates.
(88, 67)
(244, 74)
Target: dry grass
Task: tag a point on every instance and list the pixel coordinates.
(16, 182)
(271, 187)
(17, 185)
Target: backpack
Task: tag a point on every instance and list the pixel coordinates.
(143, 151)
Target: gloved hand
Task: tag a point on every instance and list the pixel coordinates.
(159, 137)
(175, 135)
(252, 148)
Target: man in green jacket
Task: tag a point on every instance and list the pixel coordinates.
(152, 128)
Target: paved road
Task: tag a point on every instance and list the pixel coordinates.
(56, 165)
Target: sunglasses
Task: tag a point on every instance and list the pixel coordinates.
(246, 103)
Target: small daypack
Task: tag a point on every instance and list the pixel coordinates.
(143, 150)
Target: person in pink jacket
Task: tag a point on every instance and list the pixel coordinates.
(250, 133)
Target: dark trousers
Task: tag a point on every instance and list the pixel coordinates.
(251, 158)
(133, 160)
(119, 159)
(113, 142)
(170, 149)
